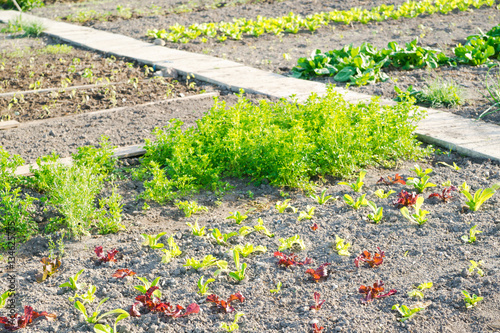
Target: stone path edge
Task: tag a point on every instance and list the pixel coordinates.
(471, 138)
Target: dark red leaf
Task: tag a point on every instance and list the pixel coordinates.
(396, 180)
(314, 227)
(121, 273)
(406, 199)
(177, 313)
(225, 305)
(290, 260)
(372, 260)
(110, 256)
(445, 196)
(17, 321)
(134, 312)
(319, 274)
(374, 292)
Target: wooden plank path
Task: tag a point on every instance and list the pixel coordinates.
(466, 136)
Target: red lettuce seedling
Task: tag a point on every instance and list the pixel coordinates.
(390, 181)
(291, 260)
(134, 312)
(372, 260)
(314, 227)
(177, 313)
(225, 305)
(445, 196)
(317, 329)
(110, 256)
(50, 267)
(406, 199)
(321, 273)
(121, 273)
(154, 304)
(17, 321)
(374, 292)
(317, 301)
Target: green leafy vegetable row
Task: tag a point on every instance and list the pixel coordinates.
(294, 23)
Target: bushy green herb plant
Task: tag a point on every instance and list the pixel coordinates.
(24, 4)
(100, 160)
(341, 246)
(248, 140)
(472, 235)
(419, 216)
(293, 242)
(470, 300)
(190, 207)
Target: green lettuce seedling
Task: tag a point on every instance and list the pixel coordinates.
(454, 166)
(248, 249)
(146, 285)
(99, 328)
(380, 193)
(94, 318)
(73, 282)
(174, 251)
(190, 207)
(262, 229)
(203, 286)
(406, 312)
(470, 301)
(234, 325)
(419, 216)
(283, 206)
(420, 184)
(421, 172)
(341, 247)
(277, 290)
(418, 292)
(87, 298)
(307, 215)
(4, 297)
(358, 184)
(378, 212)
(293, 242)
(355, 204)
(323, 198)
(474, 266)
(152, 240)
(479, 198)
(239, 274)
(208, 261)
(472, 235)
(221, 238)
(245, 231)
(238, 217)
(196, 230)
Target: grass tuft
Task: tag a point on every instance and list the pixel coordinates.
(443, 93)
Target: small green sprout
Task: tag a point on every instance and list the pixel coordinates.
(378, 212)
(419, 216)
(245, 231)
(283, 206)
(479, 198)
(146, 285)
(208, 261)
(474, 266)
(94, 318)
(446, 183)
(203, 286)
(356, 204)
(418, 292)
(238, 217)
(196, 230)
(470, 301)
(73, 282)
(190, 207)
(421, 172)
(341, 247)
(407, 312)
(380, 193)
(4, 297)
(174, 251)
(454, 166)
(221, 267)
(248, 249)
(152, 240)
(87, 298)
(262, 229)
(358, 184)
(221, 238)
(277, 290)
(323, 198)
(99, 328)
(234, 325)
(250, 194)
(239, 274)
(472, 235)
(420, 184)
(307, 215)
(293, 242)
